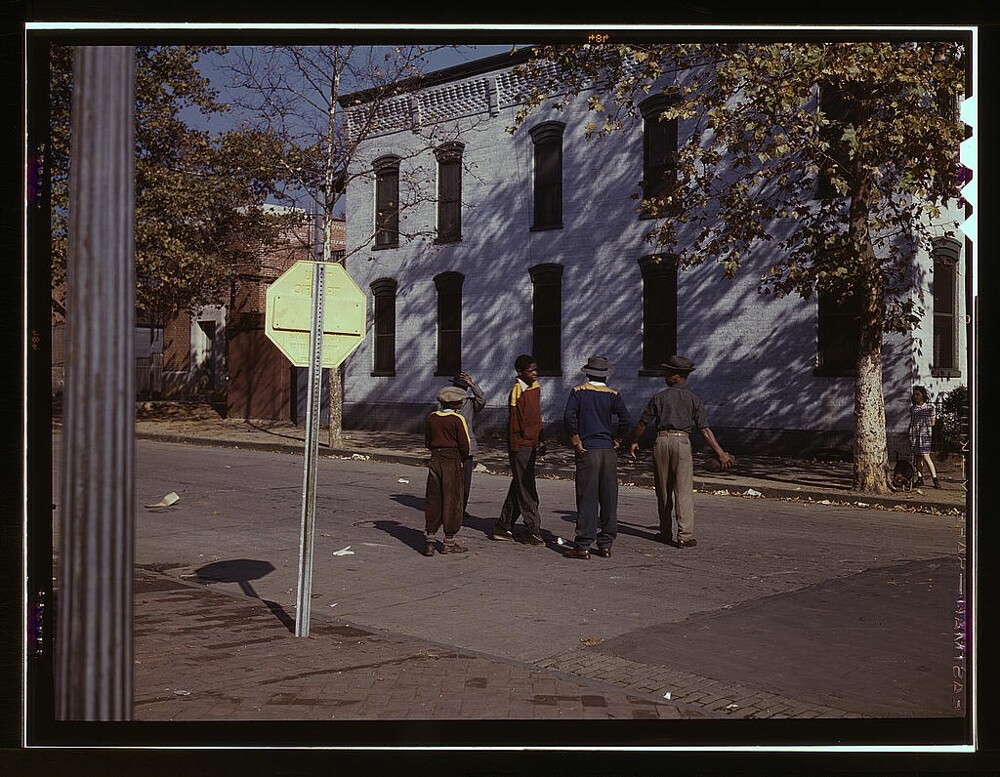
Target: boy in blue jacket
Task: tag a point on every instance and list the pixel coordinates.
(596, 421)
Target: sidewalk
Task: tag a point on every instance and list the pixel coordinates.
(770, 477)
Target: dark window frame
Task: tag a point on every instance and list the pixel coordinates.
(546, 317)
(838, 335)
(449, 194)
(547, 179)
(659, 311)
(449, 322)
(945, 254)
(384, 328)
(838, 107)
(659, 150)
(386, 202)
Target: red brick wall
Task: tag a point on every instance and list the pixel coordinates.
(177, 343)
(260, 377)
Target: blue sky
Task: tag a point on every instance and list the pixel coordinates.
(213, 67)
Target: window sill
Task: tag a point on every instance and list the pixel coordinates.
(945, 372)
(550, 373)
(443, 240)
(384, 374)
(546, 227)
(385, 247)
(652, 373)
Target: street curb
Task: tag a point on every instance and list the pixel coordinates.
(816, 496)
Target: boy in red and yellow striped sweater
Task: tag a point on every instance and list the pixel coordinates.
(524, 441)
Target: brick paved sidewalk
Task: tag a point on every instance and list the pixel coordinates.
(203, 655)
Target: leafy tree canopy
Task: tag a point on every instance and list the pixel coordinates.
(199, 219)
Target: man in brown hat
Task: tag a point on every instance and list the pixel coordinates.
(677, 411)
(447, 436)
(596, 420)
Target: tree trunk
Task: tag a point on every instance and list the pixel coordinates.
(336, 382)
(870, 449)
(869, 414)
(336, 409)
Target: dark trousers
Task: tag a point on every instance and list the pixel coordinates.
(596, 497)
(522, 496)
(443, 501)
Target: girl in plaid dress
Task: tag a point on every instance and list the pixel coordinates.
(922, 418)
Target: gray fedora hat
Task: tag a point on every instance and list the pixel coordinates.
(677, 364)
(597, 366)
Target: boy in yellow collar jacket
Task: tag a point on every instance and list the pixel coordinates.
(447, 437)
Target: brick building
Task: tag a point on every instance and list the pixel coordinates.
(219, 353)
(530, 242)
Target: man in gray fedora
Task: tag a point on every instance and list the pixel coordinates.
(677, 411)
(596, 420)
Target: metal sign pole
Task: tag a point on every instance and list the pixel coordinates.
(311, 452)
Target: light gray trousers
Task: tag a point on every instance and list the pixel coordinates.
(673, 474)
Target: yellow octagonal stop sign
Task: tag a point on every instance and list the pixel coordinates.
(288, 313)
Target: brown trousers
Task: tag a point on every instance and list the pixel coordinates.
(443, 502)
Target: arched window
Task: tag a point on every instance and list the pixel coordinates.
(546, 317)
(449, 211)
(547, 138)
(659, 310)
(384, 294)
(659, 148)
(449, 322)
(386, 201)
(945, 253)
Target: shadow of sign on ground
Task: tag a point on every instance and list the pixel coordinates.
(241, 571)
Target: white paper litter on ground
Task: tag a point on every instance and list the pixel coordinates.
(168, 500)
(344, 552)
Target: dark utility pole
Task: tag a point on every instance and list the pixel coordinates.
(93, 640)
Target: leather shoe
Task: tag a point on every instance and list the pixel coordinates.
(533, 539)
(603, 552)
(577, 553)
(686, 543)
(428, 549)
(454, 547)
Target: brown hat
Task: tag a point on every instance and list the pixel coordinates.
(451, 394)
(677, 364)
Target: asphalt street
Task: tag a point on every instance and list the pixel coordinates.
(836, 607)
